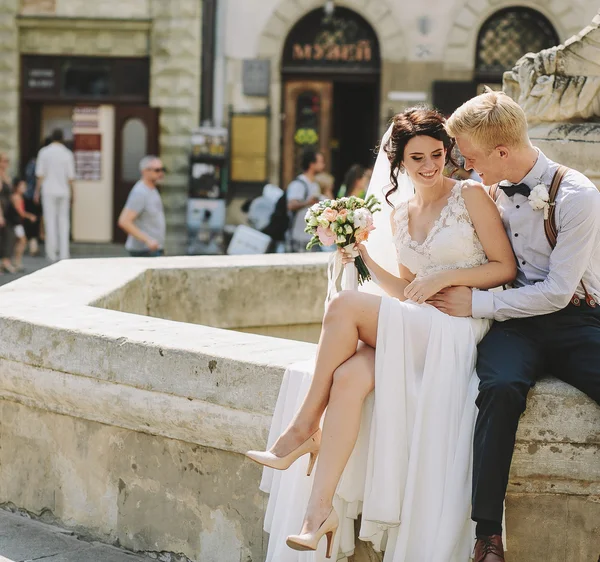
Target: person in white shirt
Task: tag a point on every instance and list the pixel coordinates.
(549, 321)
(55, 172)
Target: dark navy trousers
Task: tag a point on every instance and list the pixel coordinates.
(511, 358)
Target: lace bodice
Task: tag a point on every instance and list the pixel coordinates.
(452, 243)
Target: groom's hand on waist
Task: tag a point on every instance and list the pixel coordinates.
(455, 301)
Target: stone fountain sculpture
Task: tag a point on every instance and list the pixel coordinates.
(559, 89)
(561, 83)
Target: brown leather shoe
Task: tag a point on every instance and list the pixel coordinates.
(489, 549)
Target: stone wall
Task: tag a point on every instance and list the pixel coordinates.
(167, 31)
(9, 78)
(575, 145)
(175, 50)
(131, 428)
(113, 9)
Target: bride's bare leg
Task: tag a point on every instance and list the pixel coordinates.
(352, 382)
(351, 317)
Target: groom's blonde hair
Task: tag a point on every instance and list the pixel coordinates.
(491, 119)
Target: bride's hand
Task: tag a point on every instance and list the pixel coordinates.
(347, 258)
(420, 290)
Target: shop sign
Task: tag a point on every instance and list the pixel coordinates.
(87, 143)
(344, 42)
(41, 79)
(359, 52)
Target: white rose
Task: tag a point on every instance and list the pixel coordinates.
(323, 222)
(361, 218)
(312, 221)
(341, 240)
(348, 229)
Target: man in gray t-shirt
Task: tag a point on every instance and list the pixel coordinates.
(303, 192)
(143, 217)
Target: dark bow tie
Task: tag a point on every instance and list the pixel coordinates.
(521, 188)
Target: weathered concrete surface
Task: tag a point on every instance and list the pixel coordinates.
(576, 145)
(149, 493)
(130, 427)
(22, 539)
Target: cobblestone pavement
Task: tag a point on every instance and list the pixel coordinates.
(78, 251)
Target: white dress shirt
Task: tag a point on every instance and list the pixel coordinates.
(547, 279)
(56, 164)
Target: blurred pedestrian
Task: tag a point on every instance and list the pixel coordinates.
(32, 228)
(7, 236)
(355, 182)
(301, 193)
(55, 171)
(261, 209)
(17, 217)
(143, 217)
(326, 182)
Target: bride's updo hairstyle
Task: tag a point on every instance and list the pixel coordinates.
(412, 123)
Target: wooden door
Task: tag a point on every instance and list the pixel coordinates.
(307, 123)
(136, 136)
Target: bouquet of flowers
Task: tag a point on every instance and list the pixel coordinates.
(344, 222)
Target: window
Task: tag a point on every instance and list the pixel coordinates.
(135, 141)
(86, 79)
(508, 35)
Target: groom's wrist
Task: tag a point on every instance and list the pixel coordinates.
(482, 304)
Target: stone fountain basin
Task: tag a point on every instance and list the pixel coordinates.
(129, 388)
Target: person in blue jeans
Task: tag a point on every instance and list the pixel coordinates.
(143, 217)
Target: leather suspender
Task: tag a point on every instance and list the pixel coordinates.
(552, 231)
(550, 222)
(550, 225)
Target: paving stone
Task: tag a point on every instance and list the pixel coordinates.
(25, 540)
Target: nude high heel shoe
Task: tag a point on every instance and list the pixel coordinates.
(310, 541)
(310, 446)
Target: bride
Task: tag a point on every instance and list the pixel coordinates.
(410, 470)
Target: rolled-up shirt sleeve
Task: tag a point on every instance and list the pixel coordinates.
(578, 238)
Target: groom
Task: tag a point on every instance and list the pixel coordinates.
(549, 322)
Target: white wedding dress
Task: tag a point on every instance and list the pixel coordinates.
(410, 471)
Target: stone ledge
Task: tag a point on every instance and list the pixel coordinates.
(119, 405)
(79, 23)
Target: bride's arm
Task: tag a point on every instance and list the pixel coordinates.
(501, 267)
(392, 285)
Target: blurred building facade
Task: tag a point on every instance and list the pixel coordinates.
(331, 74)
(121, 78)
(126, 77)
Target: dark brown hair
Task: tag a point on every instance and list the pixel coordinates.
(355, 172)
(412, 123)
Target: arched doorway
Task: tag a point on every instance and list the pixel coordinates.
(330, 89)
(505, 37)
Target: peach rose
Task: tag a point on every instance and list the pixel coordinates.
(326, 236)
(343, 215)
(362, 234)
(330, 214)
